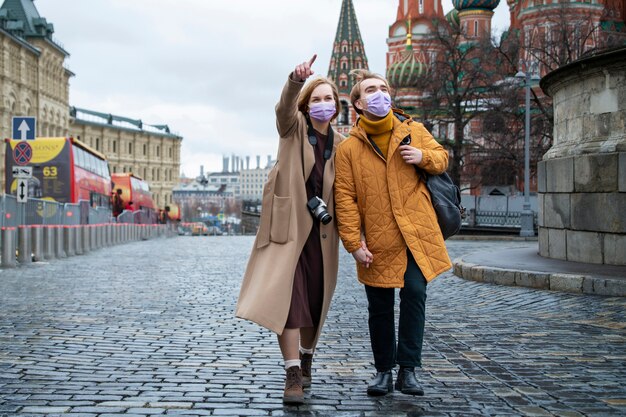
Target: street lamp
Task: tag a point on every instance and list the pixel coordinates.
(527, 218)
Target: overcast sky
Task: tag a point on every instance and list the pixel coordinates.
(210, 69)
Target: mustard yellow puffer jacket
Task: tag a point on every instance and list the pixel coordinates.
(389, 203)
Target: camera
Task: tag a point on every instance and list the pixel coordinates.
(317, 207)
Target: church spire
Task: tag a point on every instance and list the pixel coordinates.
(348, 51)
(348, 54)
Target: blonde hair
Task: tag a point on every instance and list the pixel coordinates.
(305, 95)
(361, 75)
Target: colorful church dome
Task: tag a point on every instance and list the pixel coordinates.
(461, 5)
(407, 71)
(453, 18)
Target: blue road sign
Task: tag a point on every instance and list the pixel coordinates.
(24, 128)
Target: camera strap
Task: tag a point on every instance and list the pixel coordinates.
(328, 150)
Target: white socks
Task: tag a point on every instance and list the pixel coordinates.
(297, 362)
(293, 362)
(303, 350)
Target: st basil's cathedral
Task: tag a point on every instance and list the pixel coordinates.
(411, 50)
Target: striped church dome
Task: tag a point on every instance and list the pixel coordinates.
(461, 5)
(453, 18)
(407, 71)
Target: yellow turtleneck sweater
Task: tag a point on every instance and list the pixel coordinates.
(379, 131)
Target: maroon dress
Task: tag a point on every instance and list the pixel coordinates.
(308, 284)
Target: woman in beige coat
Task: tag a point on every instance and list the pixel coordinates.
(292, 271)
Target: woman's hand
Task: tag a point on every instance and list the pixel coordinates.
(410, 154)
(304, 71)
(363, 255)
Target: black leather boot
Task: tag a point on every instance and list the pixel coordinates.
(306, 360)
(382, 384)
(407, 382)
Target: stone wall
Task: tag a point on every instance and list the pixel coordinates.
(582, 178)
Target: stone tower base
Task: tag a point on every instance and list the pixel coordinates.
(582, 208)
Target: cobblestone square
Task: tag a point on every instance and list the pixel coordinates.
(147, 328)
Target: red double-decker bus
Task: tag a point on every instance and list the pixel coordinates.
(64, 170)
(134, 192)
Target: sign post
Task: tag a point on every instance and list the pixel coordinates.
(24, 128)
(23, 172)
(22, 190)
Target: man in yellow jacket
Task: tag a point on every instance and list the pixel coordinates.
(387, 222)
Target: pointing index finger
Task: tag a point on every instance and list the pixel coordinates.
(312, 60)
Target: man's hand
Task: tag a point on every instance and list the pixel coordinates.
(410, 154)
(304, 71)
(363, 255)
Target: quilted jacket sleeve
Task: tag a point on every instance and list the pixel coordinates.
(434, 156)
(287, 108)
(346, 208)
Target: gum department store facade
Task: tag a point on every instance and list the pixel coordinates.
(35, 82)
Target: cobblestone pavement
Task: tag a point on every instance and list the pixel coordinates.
(147, 328)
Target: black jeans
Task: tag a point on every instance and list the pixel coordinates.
(408, 351)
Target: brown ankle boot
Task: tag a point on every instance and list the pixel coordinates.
(306, 359)
(293, 386)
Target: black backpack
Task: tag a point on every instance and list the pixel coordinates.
(445, 196)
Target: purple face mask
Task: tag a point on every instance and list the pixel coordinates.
(323, 111)
(379, 103)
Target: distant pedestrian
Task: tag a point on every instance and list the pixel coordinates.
(292, 271)
(388, 224)
(117, 203)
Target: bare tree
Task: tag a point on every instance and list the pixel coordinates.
(496, 155)
(455, 90)
(567, 35)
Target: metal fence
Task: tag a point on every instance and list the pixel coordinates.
(43, 212)
(495, 211)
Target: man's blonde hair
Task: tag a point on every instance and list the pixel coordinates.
(307, 92)
(361, 75)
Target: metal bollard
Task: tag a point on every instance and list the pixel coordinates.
(59, 246)
(37, 243)
(86, 239)
(24, 245)
(92, 237)
(101, 235)
(48, 242)
(78, 231)
(97, 235)
(7, 235)
(69, 236)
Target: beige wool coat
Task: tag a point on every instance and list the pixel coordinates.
(286, 222)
